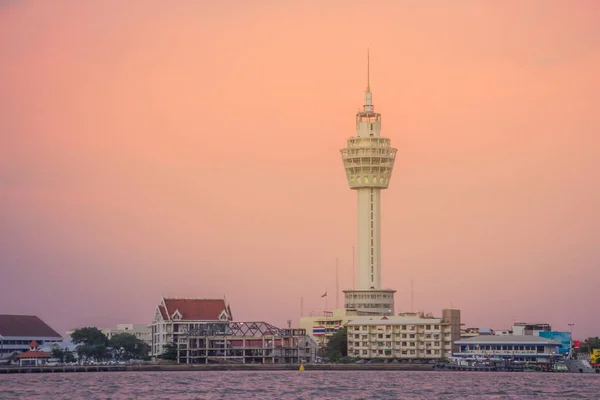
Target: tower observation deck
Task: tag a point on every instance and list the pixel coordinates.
(369, 160)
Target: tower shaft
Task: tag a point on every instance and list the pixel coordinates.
(369, 238)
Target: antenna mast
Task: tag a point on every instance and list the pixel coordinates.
(411, 296)
(337, 284)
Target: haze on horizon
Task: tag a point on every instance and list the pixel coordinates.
(191, 149)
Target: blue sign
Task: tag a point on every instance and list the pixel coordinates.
(564, 338)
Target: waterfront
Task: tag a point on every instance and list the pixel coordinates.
(299, 385)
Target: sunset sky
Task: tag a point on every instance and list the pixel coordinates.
(191, 149)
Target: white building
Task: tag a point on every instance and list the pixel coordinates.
(174, 316)
(523, 347)
(140, 331)
(410, 336)
(368, 160)
(17, 332)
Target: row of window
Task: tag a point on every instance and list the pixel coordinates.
(368, 296)
(501, 347)
(400, 344)
(388, 328)
(425, 336)
(398, 352)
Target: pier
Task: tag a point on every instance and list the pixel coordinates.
(216, 367)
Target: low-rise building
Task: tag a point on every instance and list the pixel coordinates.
(140, 331)
(526, 328)
(522, 347)
(32, 357)
(18, 331)
(244, 342)
(407, 336)
(174, 316)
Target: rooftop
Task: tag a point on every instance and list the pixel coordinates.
(371, 321)
(193, 309)
(506, 339)
(25, 325)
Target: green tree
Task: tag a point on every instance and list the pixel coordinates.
(169, 352)
(89, 336)
(58, 353)
(91, 343)
(337, 346)
(128, 346)
(69, 357)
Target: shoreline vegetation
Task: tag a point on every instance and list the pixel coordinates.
(216, 367)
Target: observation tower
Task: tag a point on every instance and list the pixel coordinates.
(368, 160)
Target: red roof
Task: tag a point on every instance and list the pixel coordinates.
(25, 325)
(33, 345)
(163, 313)
(195, 309)
(33, 354)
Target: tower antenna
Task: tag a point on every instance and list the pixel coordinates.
(337, 284)
(368, 70)
(412, 294)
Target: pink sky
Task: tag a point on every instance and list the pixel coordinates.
(191, 148)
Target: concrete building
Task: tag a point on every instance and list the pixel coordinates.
(244, 342)
(368, 161)
(140, 331)
(525, 328)
(522, 347)
(17, 332)
(321, 328)
(407, 336)
(174, 316)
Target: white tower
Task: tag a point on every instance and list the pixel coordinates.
(369, 160)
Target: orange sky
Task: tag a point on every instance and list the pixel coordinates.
(191, 148)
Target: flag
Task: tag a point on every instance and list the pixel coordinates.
(325, 294)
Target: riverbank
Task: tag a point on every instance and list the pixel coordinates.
(217, 367)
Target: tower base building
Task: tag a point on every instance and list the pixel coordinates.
(370, 301)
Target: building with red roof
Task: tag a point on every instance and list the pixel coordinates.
(32, 357)
(18, 331)
(176, 315)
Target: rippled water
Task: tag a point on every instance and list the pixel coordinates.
(299, 385)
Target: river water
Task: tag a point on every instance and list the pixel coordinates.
(299, 385)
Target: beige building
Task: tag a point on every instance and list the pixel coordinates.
(321, 328)
(140, 331)
(407, 336)
(176, 316)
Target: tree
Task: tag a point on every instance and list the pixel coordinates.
(69, 357)
(169, 352)
(337, 347)
(91, 343)
(58, 353)
(128, 346)
(89, 336)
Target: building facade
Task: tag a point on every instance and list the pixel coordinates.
(17, 332)
(407, 336)
(244, 342)
(368, 161)
(175, 316)
(522, 347)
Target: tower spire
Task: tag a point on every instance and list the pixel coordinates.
(368, 106)
(368, 71)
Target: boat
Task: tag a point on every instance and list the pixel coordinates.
(575, 365)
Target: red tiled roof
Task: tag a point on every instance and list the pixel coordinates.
(33, 354)
(163, 313)
(25, 325)
(196, 309)
(33, 345)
